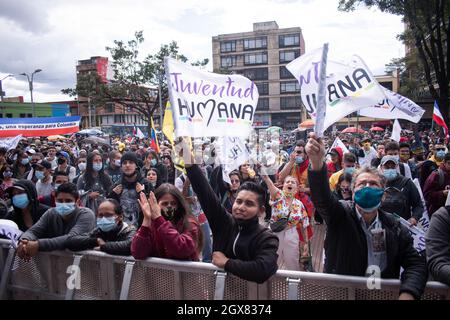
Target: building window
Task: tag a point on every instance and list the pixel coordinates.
(118, 118)
(290, 103)
(263, 104)
(255, 43)
(226, 62)
(9, 115)
(228, 46)
(255, 58)
(109, 108)
(289, 40)
(289, 55)
(263, 88)
(386, 84)
(256, 73)
(22, 115)
(285, 74)
(289, 87)
(1, 115)
(30, 115)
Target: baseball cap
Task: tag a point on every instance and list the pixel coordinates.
(389, 158)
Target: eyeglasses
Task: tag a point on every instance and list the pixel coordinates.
(440, 149)
(298, 152)
(235, 181)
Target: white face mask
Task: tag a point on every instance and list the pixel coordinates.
(82, 166)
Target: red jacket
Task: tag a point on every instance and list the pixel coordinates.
(331, 167)
(433, 191)
(164, 240)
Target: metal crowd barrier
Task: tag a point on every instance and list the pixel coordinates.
(99, 276)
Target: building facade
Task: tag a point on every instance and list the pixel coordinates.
(262, 55)
(112, 118)
(25, 110)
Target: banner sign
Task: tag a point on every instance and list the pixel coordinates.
(10, 143)
(350, 85)
(206, 104)
(394, 107)
(38, 127)
(233, 153)
(10, 230)
(417, 234)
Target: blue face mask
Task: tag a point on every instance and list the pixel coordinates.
(440, 154)
(64, 209)
(25, 161)
(20, 200)
(368, 198)
(106, 224)
(349, 170)
(390, 174)
(299, 160)
(97, 166)
(39, 175)
(153, 162)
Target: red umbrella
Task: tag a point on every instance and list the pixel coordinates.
(376, 129)
(352, 130)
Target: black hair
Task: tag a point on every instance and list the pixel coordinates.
(89, 173)
(117, 207)
(70, 188)
(393, 145)
(404, 145)
(255, 188)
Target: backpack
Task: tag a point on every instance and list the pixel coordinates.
(394, 200)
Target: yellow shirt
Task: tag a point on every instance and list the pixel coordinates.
(335, 178)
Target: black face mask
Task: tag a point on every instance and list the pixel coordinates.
(168, 213)
(61, 161)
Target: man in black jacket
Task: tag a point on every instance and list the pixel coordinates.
(241, 245)
(400, 195)
(111, 234)
(361, 238)
(27, 209)
(437, 241)
(126, 190)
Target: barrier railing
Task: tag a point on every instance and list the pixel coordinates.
(96, 275)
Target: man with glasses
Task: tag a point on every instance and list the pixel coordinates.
(437, 186)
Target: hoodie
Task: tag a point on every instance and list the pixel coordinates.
(128, 199)
(37, 209)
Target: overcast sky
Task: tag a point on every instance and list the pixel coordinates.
(53, 35)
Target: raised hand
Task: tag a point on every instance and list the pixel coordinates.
(315, 150)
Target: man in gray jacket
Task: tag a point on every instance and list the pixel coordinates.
(57, 224)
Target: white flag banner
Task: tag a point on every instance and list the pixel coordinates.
(139, 133)
(207, 104)
(394, 107)
(321, 108)
(396, 131)
(10, 230)
(10, 143)
(350, 85)
(338, 143)
(233, 153)
(424, 222)
(417, 234)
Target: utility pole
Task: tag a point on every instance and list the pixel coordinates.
(30, 84)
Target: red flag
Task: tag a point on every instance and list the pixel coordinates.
(439, 119)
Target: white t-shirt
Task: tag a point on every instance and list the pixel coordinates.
(44, 189)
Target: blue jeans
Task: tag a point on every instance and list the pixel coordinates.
(207, 243)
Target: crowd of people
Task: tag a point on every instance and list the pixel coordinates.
(129, 199)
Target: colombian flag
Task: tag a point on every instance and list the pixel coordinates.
(154, 139)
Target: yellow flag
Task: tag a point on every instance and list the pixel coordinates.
(168, 128)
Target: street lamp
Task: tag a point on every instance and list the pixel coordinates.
(30, 83)
(1, 88)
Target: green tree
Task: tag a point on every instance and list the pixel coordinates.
(139, 84)
(428, 32)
